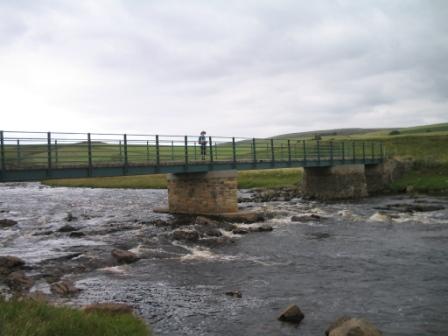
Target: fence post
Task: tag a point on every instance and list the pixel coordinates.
(49, 152)
(233, 150)
(2, 152)
(89, 153)
(289, 151)
(18, 153)
(272, 151)
(125, 150)
(210, 143)
(186, 150)
(157, 151)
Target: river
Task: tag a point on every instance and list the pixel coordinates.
(371, 258)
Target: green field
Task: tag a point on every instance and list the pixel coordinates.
(32, 318)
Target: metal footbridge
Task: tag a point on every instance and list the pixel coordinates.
(34, 156)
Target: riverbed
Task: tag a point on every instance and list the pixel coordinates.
(375, 258)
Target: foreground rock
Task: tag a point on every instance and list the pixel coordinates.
(292, 314)
(7, 223)
(109, 308)
(10, 263)
(124, 257)
(19, 282)
(64, 288)
(347, 326)
(186, 235)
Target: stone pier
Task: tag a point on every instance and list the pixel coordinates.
(335, 182)
(209, 193)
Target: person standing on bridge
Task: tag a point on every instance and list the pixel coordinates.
(203, 142)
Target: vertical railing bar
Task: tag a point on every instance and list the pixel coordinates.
(56, 153)
(216, 151)
(272, 151)
(364, 152)
(18, 153)
(331, 152)
(147, 151)
(354, 151)
(381, 151)
(2, 153)
(289, 151)
(254, 154)
(157, 151)
(304, 152)
(186, 150)
(49, 163)
(211, 148)
(233, 150)
(125, 150)
(195, 152)
(172, 150)
(343, 151)
(373, 150)
(318, 152)
(89, 153)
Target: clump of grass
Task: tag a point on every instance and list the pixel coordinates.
(33, 318)
(269, 178)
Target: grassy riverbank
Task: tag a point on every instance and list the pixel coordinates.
(272, 178)
(32, 318)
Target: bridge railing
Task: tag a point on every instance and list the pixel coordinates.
(29, 150)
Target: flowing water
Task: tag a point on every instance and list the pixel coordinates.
(369, 258)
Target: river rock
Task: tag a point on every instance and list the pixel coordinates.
(123, 256)
(76, 234)
(64, 288)
(292, 314)
(348, 326)
(10, 263)
(109, 308)
(236, 294)
(306, 218)
(18, 281)
(70, 217)
(262, 228)
(201, 220)
(240, 230)
(67, 228)
(186, 235)
(7, 223)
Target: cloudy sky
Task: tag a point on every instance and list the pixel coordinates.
(243, 67)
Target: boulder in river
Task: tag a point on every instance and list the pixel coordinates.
(348, 326)
(124, 256)
(19, 281)
(7, 223)
(261, 228)
(240, 230)
(186, 235)
(306, 218)
(10, 263)
(235, 294)
(76, 234)
(201, 220)
(292, 314)
(64, 288)
(109, 308)
(67, 228)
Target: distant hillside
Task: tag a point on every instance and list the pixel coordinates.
(364, 133)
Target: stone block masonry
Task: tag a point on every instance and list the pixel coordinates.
(335, 182)
(203, 193)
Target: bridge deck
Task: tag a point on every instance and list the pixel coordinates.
(28, 156)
